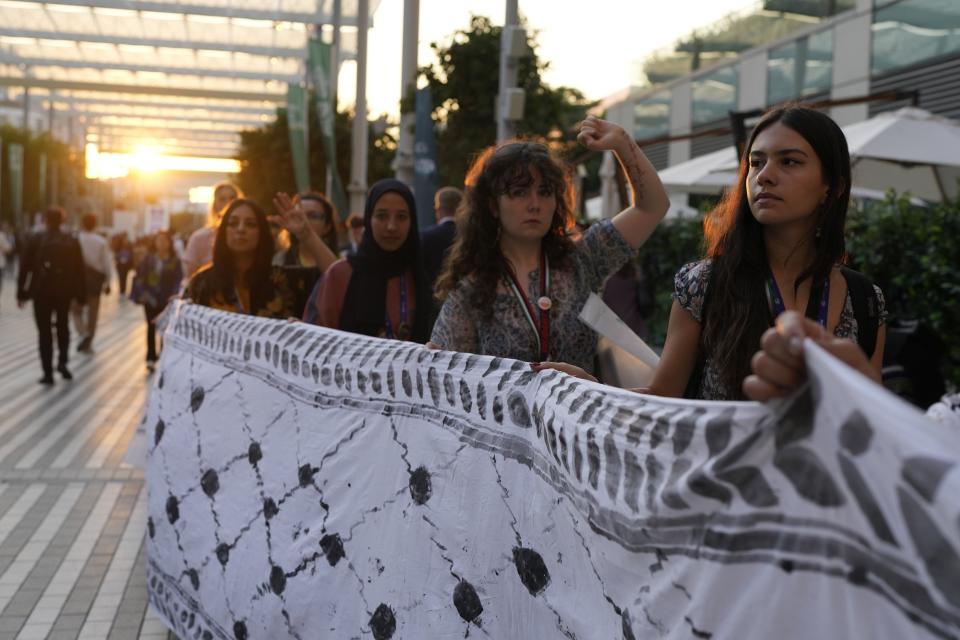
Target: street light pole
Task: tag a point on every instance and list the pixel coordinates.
(508, 72)
(358, 163)
(403, 164)
(334, 78)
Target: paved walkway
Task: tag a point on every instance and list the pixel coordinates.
(72, 512)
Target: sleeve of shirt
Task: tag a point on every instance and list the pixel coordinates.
(454, 329)
(603, 250)
(882, 312)
(192, 254)
(332, 288)
(690, 287)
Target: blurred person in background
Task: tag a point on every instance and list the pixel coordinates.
(52, 275)
(157, 280)
(7, 243)
(98, 265)
(123, 258)
(199, 250)
(354, 224)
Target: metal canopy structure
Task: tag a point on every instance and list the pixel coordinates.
(180, 73)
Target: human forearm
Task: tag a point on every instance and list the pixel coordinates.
(317, 248)
(649, 198)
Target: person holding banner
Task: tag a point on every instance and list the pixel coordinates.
(775, 243)
(241, 277)
(515, 281)
(381, 290)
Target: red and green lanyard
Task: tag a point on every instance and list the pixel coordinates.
(539, 319)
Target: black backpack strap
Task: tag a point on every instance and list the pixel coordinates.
(865, 308)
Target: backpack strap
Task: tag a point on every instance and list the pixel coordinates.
(865, 308)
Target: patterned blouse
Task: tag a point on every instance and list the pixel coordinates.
(690, 288)
(288, 293)
(600, 252)
(156, 281)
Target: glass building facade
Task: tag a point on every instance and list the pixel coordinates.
(909, 32)
(715, 95)
(800, 68)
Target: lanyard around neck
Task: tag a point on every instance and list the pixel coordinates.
(777, 306)
(539, 322)
(404, 326)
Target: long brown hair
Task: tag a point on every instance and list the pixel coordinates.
(736, 310)
(476, 252)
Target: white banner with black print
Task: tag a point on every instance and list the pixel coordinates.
(308, 483)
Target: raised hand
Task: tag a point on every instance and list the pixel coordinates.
(292, 218)
(601, 135)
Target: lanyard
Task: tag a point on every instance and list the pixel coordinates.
(404, 328)
(539, 322)
(776, 300)
(236, 301)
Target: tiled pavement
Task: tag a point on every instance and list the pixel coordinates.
(72, 512)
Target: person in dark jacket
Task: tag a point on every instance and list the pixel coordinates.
(52, 275)
(435, 241)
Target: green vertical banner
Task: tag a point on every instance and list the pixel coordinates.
(42, 179)
(299, 144)
(15, 173)
(318, 60)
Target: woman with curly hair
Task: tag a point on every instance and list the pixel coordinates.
(515, 281)
(241, 277)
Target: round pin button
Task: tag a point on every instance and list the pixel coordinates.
(544, 303)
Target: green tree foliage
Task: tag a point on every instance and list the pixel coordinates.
(464, 83)
(266, 165)
(64, 165)
(912, 253)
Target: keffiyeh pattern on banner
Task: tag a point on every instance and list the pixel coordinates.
(309, 483)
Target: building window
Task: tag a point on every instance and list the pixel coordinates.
(714, 95)
(909, 32)
(651, 117)
(800, 68)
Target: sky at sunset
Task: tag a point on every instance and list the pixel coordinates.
(593, 46)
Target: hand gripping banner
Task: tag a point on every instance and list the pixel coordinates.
(309, 483)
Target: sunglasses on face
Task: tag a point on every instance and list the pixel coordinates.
(313, 215)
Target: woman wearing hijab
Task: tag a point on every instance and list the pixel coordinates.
(380, 290)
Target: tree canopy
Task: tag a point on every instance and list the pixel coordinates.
(464, 82)
(266, 165)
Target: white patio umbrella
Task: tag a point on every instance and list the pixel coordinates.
(706, 174)
(910, 150)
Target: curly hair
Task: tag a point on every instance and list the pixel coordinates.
(475, 253)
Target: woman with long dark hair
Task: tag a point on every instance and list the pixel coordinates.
(199, 249)
(380, 290)
(241, 277)
(156, 281)
(515, 281)
(775, 243)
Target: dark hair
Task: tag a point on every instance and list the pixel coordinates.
(152, 240)
(224, 268)
(54, 216)
(330, 237)
(736, 311)
(449, 199)
(354, 221)
(89, 222)
(476, 251)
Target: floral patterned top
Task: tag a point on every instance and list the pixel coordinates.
(286, 298)
(459, 327)
(690, 289)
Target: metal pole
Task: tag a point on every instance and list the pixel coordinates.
(26, 108)
(403, 164)
(508, 72)
(334, 77)
(358, 161)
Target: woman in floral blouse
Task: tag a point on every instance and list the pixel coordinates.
(241, 277)
(156, 281)
(515, 281)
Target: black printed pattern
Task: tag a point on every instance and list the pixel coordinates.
(309, 483)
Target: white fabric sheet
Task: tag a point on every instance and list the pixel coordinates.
(307, 483)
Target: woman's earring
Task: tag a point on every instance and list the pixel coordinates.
(818, 232)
